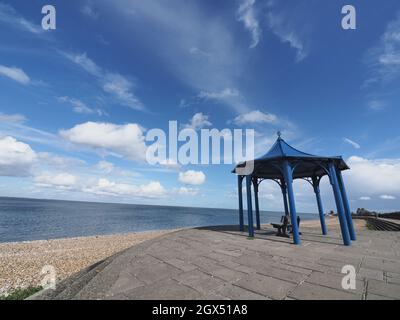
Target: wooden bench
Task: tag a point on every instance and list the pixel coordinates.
(285, 226)
(282, 227)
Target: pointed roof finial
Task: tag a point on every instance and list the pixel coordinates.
(279, 134)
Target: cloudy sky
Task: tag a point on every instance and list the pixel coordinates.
(76, 102)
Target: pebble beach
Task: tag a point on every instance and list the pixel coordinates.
(21, 263)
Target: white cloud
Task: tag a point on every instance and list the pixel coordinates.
(14, 126)
(199, 121)
(16, 158)
(184, 104)
(60, 162)
(63, 180)
(105, 166)
(15, 74)
(384, 59)
(192, 177)
(84, 62)
(390, 55)
(365, 198)
(170, 164)
(280, 24)
(13, 18)
(352, 143)
(376, 105)
(387, 197)
(219, 95)
(115, 84)
(79, 106)
(197, 51)
(111, 170)
(247, 14)
(373, 177)
(125, 140)
(109, 188)
(228, 96)
(121, 88)
(12, 118)
(184, 191)
(89, 11)
(255, 117)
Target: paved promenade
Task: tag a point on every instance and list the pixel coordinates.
(222, 263)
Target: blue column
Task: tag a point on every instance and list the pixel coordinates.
(346, 206)
(258, 222)
(320, 207)
(249, 206)
(293, 215)
(240, 193)
(284, 194)
(339, 205)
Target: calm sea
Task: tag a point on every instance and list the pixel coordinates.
(29, 219)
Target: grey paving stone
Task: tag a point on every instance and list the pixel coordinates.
(218, 257)
(334, 281)
(155, 272)
(237, 293)
(309, 291)
(371, 296)
(191, 276)
(383, 289)
(266, 286)
(373, 263)
(163, 290)
(231, 253)
(395, 275)
(308, 265)
(180, 264)
(245, 269)
(199, 281)
(293, 268)
(278, 273)
(393, 280)
(391, 266)
(227, 274)
(204, 263)
(338, 264)
(124, 283)
(370, 274)
(228, 264)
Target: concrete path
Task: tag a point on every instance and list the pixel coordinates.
(222, 263)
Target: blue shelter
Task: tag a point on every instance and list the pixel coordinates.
(282, 164)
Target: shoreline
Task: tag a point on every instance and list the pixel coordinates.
(92, 236)
(308, 222)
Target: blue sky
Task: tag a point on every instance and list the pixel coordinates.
(76, 102)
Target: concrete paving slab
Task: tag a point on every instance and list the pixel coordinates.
(383, 289)
(334, 281)
(266, 286)
(366, 273)
(238, 293)
(372, 296)
(163, 290)
(309, 291)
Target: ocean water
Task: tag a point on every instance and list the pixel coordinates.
(29, 219)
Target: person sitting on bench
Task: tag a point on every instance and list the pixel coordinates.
(282, 227)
